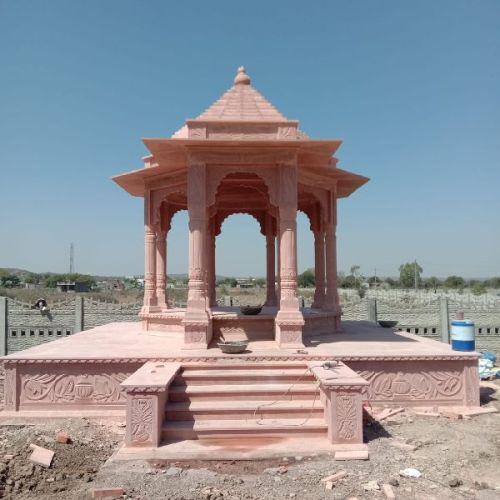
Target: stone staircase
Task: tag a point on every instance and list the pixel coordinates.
(243, 399)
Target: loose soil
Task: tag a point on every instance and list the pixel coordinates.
(457, 459)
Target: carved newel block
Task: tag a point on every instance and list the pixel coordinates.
(147, 394)
(341, 394)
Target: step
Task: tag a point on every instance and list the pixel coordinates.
(238, 364)
(176, 431)
(228, 410)
(239, 376)
(216, 392)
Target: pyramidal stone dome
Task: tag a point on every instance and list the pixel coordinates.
(240, 104)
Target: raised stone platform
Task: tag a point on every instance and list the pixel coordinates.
(267, 397)
(84, 371)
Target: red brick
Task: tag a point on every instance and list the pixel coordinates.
(388, 492)
(335, 477)
(63, 437)
(106, 492)
(351, 455)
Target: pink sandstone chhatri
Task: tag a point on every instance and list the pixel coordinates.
(167, 374)
(241, 156)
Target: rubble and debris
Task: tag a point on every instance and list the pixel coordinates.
(454, 482)
(63, 437)
(388, 492)
(335, 477)
(371, 486)
(106, 492)
(388, 412)
(410, 472)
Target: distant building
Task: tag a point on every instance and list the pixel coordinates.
(245, 282)
(73, 286)
(112, 285)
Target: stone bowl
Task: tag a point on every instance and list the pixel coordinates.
(233, 346)
(387, 324)
(250, 310)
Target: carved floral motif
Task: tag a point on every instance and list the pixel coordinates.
(346, 417)
(141, 420)
(98, 388)
(423, 385)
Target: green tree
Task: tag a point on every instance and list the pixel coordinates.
(307, 279)
(9, 280)
(432, 283)
(52, 279)
(493, 283)
(478, 289)
(409, 273)
(392, 282)
(454, 282)
(356, 273)
(33, 278)
(348, 281)
(260, 282)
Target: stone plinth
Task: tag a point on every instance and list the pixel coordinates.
(147, 393)
(342, 395)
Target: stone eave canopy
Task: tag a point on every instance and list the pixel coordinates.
(170, 158)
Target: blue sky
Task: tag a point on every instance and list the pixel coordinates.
(411, 87)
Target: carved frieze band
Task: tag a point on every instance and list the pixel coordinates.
(100, 388)
(425, 385)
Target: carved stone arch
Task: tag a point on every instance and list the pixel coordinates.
(318, 213)
(221, 217)
(162, 210)
(216, 175)
(309, 213)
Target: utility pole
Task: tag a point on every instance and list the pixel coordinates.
(71, 258)
(415, 274)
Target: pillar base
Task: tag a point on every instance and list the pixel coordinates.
(150, 309)
(337, 311)
(289, 326)
(197, 330)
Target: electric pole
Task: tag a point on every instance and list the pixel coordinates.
(415, 273)
(71, 258)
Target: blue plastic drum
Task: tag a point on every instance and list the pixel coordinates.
(462, 335)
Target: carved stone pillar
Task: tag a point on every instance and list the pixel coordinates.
(271, 299)
(211, 265)
(197, 324)
(319, 268)
(332, 298)
(150, 301)
(289, 320)
(161, 269)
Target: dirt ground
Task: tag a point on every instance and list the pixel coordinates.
(457, 459)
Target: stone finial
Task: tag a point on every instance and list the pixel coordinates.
(242, 78)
